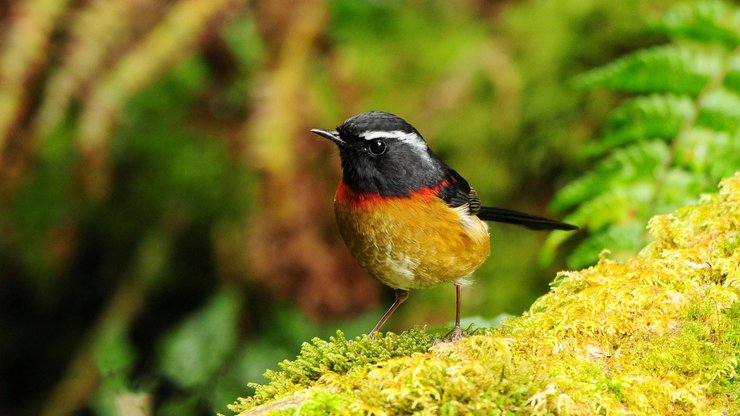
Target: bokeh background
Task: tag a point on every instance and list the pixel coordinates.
(166, 224)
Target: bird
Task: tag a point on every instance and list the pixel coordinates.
(409, 219)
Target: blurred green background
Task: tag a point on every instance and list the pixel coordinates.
(166, 224)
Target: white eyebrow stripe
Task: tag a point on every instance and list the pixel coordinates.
(409, 138)
(412, 139)
(395, 134)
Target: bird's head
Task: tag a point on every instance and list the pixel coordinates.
(382, 153)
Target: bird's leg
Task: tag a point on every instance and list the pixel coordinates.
(457, 332)
(401, 296)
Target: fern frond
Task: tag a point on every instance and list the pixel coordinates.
(732, 78)
(621, 241)
(720, 111)
(706, 21)
(614, 206)
(625, 165)
(658, 116)
(599, 213)
(677, 187)
(662, 69)
(724, 152)
(661, 150)
(661, 116)
(715, 154)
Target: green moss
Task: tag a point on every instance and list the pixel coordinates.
(656, 334)
(337, 356)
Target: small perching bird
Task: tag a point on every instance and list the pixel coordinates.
(409, 219)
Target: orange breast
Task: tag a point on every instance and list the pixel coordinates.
(411, 242)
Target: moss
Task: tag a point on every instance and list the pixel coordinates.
(334, 357)
(656, 334)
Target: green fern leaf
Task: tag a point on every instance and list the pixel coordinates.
(732, 78)
(625, 165)
(662, 150)
(657, 116)
(600, 212)
(663, 69)
(724, 152)
(614, 206)
(720, 111)
(714, 154)
(677, 187)
(646, 108)
(621, 240)
(705, 21)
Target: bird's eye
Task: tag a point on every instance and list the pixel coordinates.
(377, 148)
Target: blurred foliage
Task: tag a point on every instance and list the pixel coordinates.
(662, 149)
(158, 183)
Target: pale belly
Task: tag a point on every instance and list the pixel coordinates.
(409, 244)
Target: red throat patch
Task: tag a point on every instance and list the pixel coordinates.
(369, 199)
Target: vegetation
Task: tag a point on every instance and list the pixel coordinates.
(663, 148)
(165, 215)
(656, 334)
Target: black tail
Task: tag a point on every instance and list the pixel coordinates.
(530, 221)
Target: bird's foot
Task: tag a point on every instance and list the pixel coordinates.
(456, 334)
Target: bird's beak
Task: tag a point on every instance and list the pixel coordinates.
(331, 135)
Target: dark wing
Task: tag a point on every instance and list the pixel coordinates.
(457, 192)
(533, 222)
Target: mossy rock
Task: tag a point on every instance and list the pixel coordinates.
(657, 334)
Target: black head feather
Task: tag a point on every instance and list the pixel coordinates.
(405, 164)
(373, 121)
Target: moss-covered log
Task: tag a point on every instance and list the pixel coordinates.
(657, 334)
